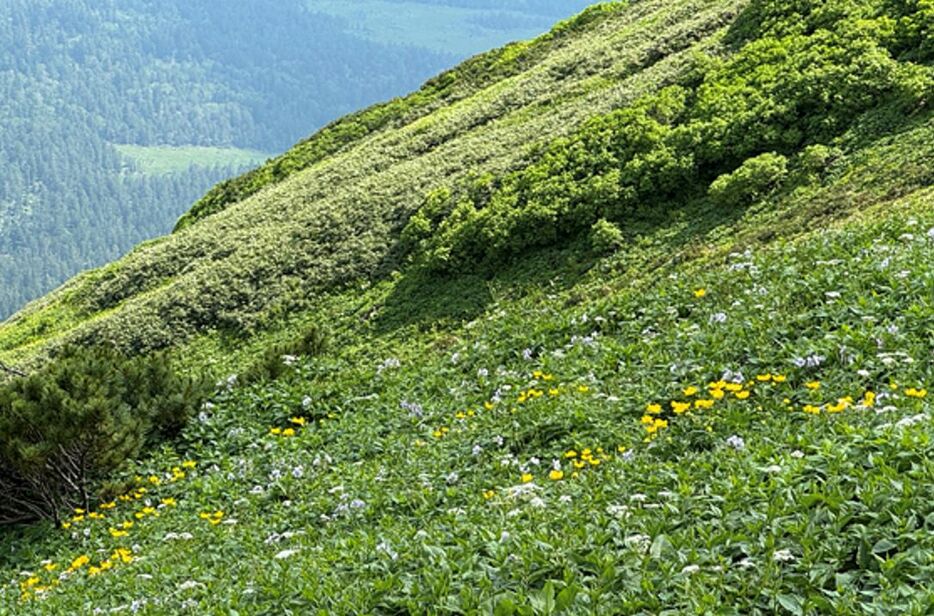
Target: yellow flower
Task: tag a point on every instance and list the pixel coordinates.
(79, 562)
(869, 399)
(690, 391)
(583, 389)
(526, 477)
(594, 462)
(275, 431)
(553, 392)
(653, 409)
(123, 555)
(548, 377)
(154, 480)
(116, 533)
(556, 475)
(460, 415)
(680, 407)
(813, 385)
(733, 387)
(647, 420)
(779, 378)
(488, 406)
(489, 494)
(840, 406)
(169, 502)
(621, 448)
(717, 394)
(579, 464)
(189, 464)
(66, 525)
(763, 378)
(911, 392)
(538, 374)
(94, 515)
(716, 385)
(742, 395)
(288, 432)
(570, 454)
(109, 505)
(298, 421)
(703, 404)
(811, 409)
(699, 293)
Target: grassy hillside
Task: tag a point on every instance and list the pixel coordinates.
(632, 318)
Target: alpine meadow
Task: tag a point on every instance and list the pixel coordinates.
(635, 317)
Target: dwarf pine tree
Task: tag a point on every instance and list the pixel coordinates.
(68, 426)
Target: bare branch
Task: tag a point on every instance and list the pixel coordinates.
(9, 370)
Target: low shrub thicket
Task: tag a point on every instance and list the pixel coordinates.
(69, 425)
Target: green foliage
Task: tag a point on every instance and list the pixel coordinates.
(80, 418)
(460, 399)
(605, 237)
(277, 359)
(752, 181)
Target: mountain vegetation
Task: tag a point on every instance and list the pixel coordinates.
(634, 317)
(116, 116)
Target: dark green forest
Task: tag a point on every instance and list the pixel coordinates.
(78, 79)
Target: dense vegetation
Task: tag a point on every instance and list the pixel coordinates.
(634, 317)
(91, 93)
(65, 429)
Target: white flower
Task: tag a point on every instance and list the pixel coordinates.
(746, 563)
(736, 442)
(289, 360)
(504, 536)
(690, 569)
(718, 317)
(832, 294)
(638, 542)
(477, 450)
(797, 453)
(910, 421)
(639, 498)
(783, 556)
(286, 554)
(189, 585)
(565, 499)
(775, 468)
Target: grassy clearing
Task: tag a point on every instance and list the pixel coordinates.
(163, 160)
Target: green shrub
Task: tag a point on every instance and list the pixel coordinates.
(277, 359)
(750, 182)
(68, 426)
(605, 237)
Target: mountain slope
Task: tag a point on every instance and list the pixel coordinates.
(339, 217)
(635, 319)
(91, 92)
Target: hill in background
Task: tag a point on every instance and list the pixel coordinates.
(117, 116)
